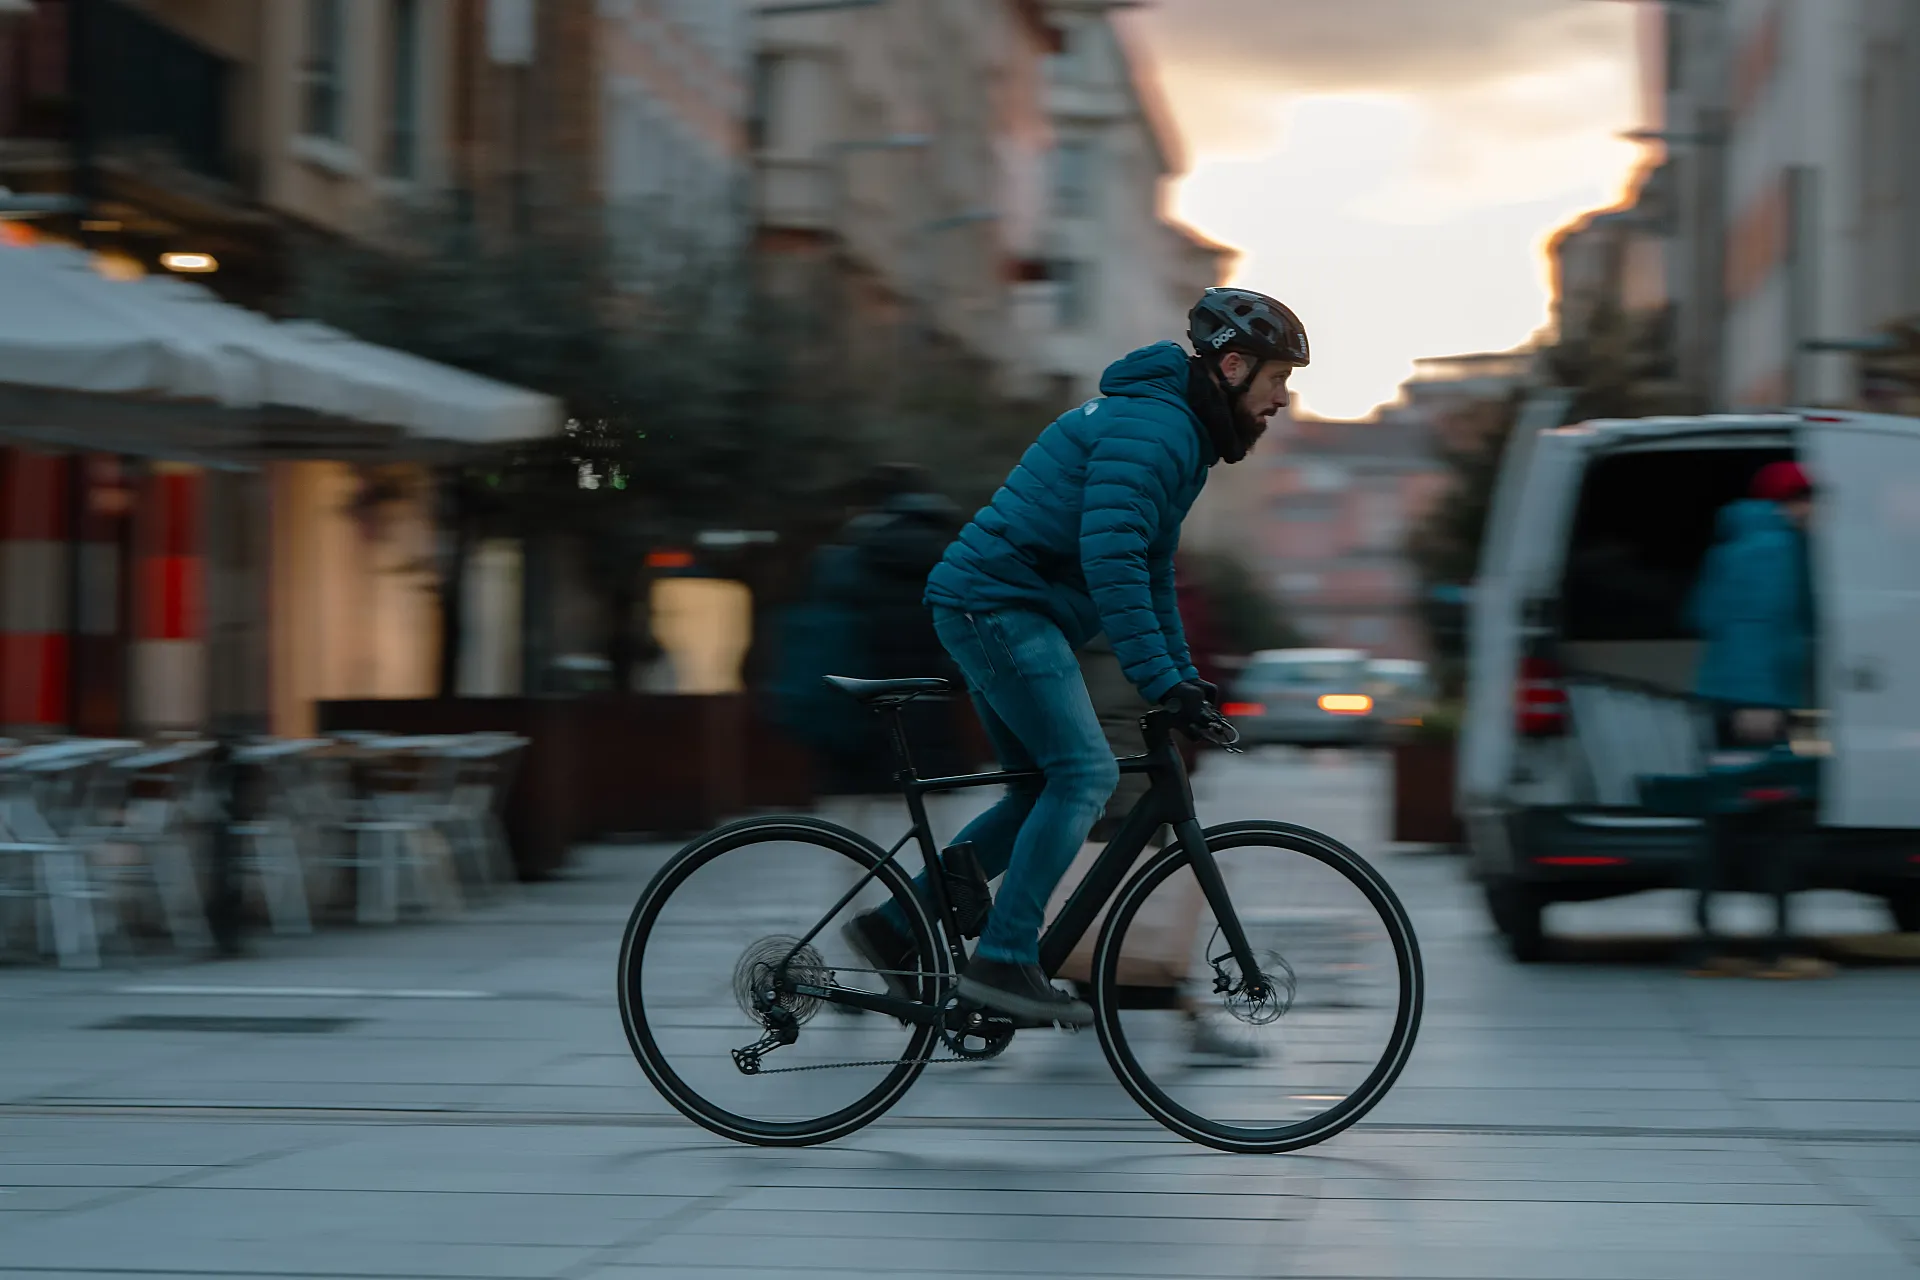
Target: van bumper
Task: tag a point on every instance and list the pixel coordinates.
(1571, 854)
(1601, 852)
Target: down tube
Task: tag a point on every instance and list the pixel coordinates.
(1102, 881)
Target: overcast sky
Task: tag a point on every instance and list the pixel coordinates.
(1392, 168)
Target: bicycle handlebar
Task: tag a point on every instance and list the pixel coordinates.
(1218, 730)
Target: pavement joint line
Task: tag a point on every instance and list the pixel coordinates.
(652, 1232)
(306, 993)
(45, 1108)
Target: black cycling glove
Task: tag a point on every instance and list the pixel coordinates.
(1188, 703)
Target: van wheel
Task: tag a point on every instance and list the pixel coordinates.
(1905, 908)
(1516, 910)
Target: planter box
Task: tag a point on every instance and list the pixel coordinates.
(1423, 777)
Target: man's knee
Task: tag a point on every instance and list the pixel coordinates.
(1091, 779)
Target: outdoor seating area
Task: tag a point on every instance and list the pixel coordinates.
(108, 846)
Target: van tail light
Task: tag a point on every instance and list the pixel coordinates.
(1542, 701)
(1237, 710)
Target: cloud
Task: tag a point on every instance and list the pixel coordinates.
(1294, 46)
(1394, 166)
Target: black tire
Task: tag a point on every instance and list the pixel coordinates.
(647, 1019)
(1372, 904)
(1905, 909)
(1517, 912)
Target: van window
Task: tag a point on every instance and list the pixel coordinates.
(1640, 533)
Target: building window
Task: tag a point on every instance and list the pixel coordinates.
(1368, 632)
(1074, 299)
(403, 126)
(1307, 508)
(761, 105)
(1073, 174)
(322, 114)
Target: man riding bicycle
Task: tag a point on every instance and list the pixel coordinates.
(1080, 541)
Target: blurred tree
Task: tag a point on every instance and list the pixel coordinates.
(1246, 617)
(699, 396)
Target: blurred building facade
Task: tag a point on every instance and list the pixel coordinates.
(899, 165)
(913, 150)
(1795, 229)
(1342, 499)
(166, 585)
(1120, 272)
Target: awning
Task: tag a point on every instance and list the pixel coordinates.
(71, 339)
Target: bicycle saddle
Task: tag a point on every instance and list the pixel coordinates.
(891, 693)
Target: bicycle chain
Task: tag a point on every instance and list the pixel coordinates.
(880, 1062)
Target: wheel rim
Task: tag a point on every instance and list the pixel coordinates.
(1332, 1037)
(709, 922)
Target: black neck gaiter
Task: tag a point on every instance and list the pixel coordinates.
(1209, 402)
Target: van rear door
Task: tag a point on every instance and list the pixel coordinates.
(1519, 560)
(1866, 570)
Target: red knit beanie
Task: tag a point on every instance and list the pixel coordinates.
(1782, 482)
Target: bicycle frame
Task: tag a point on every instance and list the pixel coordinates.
(1168, 802)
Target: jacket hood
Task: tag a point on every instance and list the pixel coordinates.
(1158, 371)
(1164, 372)
(1749, 516)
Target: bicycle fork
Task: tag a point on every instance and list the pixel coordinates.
(1253, 982)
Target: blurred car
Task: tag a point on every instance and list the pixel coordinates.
(1403, 693)
(1304, 697)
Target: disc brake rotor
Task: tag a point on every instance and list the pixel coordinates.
(1261, 1002)
(759, 983)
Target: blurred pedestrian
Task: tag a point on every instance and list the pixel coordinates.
(1753, 609)
(865, 617)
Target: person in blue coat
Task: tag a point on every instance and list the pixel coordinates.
(1080, 541)
(1753, 609)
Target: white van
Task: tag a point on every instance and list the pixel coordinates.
(1580, 661)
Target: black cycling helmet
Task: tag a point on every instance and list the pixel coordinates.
(1251, 323)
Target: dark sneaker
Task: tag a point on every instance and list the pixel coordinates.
(876, 940)
(1023, 991)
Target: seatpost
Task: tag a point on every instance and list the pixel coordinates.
(897, 736)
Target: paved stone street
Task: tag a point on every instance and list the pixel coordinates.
(472, 1110)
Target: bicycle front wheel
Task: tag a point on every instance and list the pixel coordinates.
(1336, 1016)
(748, 910)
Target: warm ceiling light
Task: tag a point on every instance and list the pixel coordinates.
(190, 263)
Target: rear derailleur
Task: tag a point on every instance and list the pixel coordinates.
(782, 1029)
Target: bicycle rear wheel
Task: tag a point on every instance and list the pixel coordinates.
(1294, 1068)
(711, 930)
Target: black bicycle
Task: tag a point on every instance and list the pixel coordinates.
(752, 1016)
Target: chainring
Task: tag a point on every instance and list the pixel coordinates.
(974, 1033)
(756, 978)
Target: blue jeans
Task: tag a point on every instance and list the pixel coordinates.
(1026, 685)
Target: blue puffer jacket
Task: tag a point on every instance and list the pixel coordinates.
(1753, 606)
(1085, 528)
